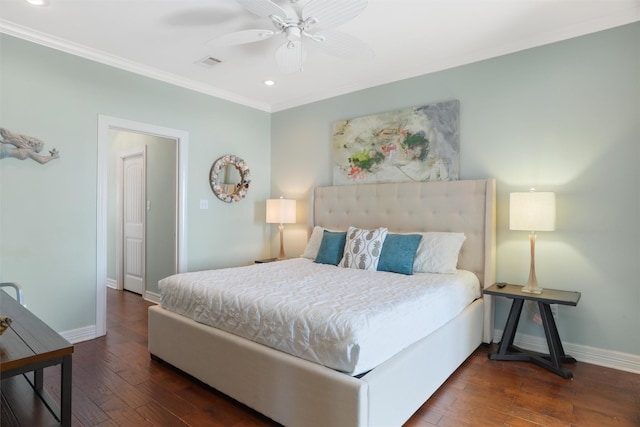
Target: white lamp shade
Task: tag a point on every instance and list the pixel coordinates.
(281, 211)
(532, 211)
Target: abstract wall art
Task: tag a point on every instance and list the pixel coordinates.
(414, 144)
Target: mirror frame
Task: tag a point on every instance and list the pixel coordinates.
(241, 188)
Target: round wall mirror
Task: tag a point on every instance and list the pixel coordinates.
(229, 178)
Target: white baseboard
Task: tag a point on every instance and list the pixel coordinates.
(78, 335)
(87, 333)
(149, 296)
(582, 353)
(152, 296)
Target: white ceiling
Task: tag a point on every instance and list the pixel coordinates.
(164, 39)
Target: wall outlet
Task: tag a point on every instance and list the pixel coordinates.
(204, 204)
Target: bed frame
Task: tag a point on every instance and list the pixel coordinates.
(296, 392)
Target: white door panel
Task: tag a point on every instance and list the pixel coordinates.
(134, 223)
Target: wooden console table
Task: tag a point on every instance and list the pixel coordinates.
(26, 348)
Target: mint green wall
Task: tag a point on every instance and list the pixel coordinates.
(48, 212)
(563, 117)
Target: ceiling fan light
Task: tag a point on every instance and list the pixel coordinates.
(294, 33)
(38, 2)
(297, 23)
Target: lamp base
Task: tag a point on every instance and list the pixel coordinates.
(532, 283)
(532, 290)
(281, 254)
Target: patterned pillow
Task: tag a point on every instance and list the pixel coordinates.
(362, 248)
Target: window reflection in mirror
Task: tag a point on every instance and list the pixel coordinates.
(231, 179)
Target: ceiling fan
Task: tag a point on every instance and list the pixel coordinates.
(313, 22)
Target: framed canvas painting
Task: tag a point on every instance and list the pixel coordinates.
(414, 144)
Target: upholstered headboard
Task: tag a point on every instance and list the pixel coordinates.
(466, 206)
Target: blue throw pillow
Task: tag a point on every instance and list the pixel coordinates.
(398, 253)
(332, 247)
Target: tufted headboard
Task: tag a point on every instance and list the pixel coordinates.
(466, 206)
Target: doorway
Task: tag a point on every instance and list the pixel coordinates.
(170, 140)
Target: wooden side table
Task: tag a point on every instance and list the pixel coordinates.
(265, 260)
(507, 351)
(26, 348)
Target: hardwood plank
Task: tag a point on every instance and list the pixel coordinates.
(158, 415)
(538, 418)
(85, 410)
(172, 402)
(116, 378)
(121, 414)
(26, 407)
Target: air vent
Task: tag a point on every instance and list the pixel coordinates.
(208, 61)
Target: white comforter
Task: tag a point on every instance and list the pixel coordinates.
(347, 319)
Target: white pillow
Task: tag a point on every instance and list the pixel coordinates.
(311, 250)
(363, 247)
(438, 252)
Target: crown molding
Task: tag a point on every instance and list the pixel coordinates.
(66, 46)
(620, 17)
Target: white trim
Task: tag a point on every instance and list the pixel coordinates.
(582, 353)
(112, 283)
(82, 51)
(430, 65)
(81, 334)
(615, 19)
(153, 297)
(182, 137)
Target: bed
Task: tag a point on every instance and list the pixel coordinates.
(295, 391)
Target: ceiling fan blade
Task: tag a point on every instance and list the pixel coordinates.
(263, 8)
(289, 57)
(331, 13)
(241, 37)
(344, 46)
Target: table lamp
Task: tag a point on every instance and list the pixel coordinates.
(281, 211)
(532, 211)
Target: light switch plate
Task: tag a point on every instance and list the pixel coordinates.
(204, 204)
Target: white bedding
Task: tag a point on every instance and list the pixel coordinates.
(346, 319)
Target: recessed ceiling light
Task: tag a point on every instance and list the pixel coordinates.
(269, 82)
(38, 2)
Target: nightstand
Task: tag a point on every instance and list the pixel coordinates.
(507, 351)
(265, 260)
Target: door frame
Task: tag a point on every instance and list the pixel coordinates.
(122, 155)
(105, 123)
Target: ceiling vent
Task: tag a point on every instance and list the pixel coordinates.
(208, 61)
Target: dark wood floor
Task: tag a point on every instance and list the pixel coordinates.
(116, 384)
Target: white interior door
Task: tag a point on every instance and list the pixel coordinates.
(133, 215)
